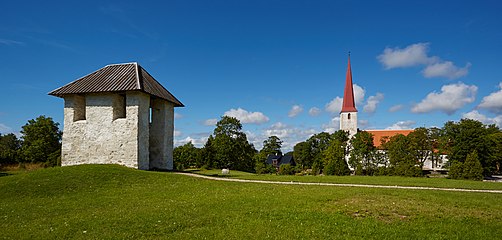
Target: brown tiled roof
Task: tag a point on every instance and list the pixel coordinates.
(118, 78)
(378, 135)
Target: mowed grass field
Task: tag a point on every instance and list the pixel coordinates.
(107, 201)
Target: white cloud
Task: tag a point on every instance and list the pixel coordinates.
(197, 142)
(314, 111)
(372, 103)
(290, 135)
(451, 98)
(5, 129)
(445, 69)
(401, 125)
(359, 93)
(497, 120)
(396, 108)
(177, 133)
(493, 102)
(9, 42)
(363, 123)
(415, 55)
(295, 110)
(177, 116)
(210, 122)
(332, 126)
(335, 105)
(247, 117)
(412, 55)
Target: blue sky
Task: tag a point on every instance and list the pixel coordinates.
(278, 66)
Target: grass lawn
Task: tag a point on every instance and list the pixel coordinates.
(108, 201)
(371, 180)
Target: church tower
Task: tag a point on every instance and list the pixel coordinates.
(348, 115)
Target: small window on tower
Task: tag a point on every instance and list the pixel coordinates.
(348, 116)
(78, 108)
(119, 106)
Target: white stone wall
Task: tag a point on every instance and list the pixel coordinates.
(347, 124)
(161, 132)
(99, 139)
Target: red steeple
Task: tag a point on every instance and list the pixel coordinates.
(348, 94)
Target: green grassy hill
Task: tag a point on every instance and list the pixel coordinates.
(107, 201)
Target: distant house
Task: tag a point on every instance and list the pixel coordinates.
(277, 160)
(118, 114)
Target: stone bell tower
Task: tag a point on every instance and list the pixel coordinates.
(118, 114)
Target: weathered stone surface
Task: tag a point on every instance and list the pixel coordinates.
(108, 136)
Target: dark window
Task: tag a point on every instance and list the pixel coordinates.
(119, 106)
(78, 108)
(348, 116)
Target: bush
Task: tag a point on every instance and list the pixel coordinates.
(286, 169)
(456, 170)
(472, 167)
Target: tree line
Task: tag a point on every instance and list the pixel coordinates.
(40, 142)
(473, 150)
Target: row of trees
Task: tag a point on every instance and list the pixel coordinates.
(40, 142)
(473, 150)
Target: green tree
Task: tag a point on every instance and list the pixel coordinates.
(302, 155)
(402, 157)
(9, 147)
(467, 136)
(362, 154)
(334, 159)
(231, 147)
(422, 144)
(472, 168)
(496, 150)
(272, 146)
(208, 159)
(185, 156)
(41, 141)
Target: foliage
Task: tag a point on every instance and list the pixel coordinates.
(495, 140)
(456, 170)
(286, 169)
(41, 141)
(467, 136)
(472, 167)
(230, 146)
(402, 157)
(272, 146)
(422, 144)
(308, 154)
(363, 154)
(87, 202)
(302, 154)
(334, 159)
(9, 147)
(186, 156)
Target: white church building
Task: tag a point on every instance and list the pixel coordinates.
(118, 114)
(349, 123)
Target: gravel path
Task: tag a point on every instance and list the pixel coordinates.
(340, 184)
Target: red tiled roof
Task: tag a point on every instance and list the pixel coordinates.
(348, 94)
(378, 135)
(118, 78)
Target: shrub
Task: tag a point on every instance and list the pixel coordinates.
(286, 169)
(472, 167)
(456, 170)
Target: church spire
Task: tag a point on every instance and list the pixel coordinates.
(348, 94)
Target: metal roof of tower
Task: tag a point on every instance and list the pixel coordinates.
(118, 78)
(348, 94)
